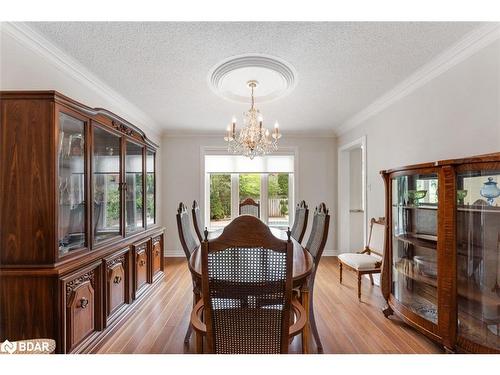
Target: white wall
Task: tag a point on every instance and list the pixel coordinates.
(181, 173)
(456, 114)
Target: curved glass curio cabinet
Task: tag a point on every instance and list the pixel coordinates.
(441, 270)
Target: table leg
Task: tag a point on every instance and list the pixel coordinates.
(306, 334)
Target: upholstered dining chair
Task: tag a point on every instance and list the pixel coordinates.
(197, 222)
(315, 245)
(368, 261)
(250, 207)
(247, 292)
(300, 221)
(189, 245)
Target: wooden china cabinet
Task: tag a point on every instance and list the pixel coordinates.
(441, 270)
(79, 242)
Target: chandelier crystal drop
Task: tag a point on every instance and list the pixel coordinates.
(253, 139)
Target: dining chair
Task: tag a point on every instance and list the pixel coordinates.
(250, 207)
(189, 244)
(247, 302)
(197, 223)
(300, 221)
(315, 245)
(368, 261)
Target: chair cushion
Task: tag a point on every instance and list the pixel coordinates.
(359, 261)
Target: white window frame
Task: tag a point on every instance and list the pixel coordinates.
(205, 186)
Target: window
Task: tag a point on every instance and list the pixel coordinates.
(277, 205)
(231, 179)
(220, 200)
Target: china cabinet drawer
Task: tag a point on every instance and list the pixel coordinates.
(117, 282)
(156, 255)
(82, 304)
(141, 269)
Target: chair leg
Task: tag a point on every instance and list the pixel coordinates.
(371, 278)
(188, 334)
(340, 270)
(196, 298)
(306, 330)
(359, 286)
(314, 328)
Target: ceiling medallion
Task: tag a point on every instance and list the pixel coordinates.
(276, 77)
(253, 139)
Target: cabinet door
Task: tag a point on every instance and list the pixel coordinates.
(141, 271)
(414, 244)
(106, 183)
(150, 188)
(478, 256)
(116, 283)
(134, 187)
(71, 183)
(82, 307)
(157, 255)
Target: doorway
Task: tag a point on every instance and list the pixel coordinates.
(352, 223)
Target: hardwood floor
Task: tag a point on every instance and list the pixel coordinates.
(345, 324)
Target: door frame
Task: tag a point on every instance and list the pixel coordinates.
(344, 192)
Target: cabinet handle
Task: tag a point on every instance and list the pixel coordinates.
(142, 262)
(117, 279)
(84, 302)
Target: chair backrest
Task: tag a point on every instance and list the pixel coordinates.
(319, 233)
(188, 242)
(250, 207)
(247, 288)
(300, 221)
(376, 240)
(197, 223)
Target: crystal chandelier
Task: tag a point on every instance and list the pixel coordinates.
(253, 140)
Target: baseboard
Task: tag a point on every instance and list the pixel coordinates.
(174, 253)
(330, 253)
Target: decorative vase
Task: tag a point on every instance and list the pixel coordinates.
(461, 194)
(490, 191)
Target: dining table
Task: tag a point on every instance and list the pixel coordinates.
(303, 263)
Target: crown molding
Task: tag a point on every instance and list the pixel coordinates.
(37, 43)
(466, 47)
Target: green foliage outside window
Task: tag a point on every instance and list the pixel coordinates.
(220, 196)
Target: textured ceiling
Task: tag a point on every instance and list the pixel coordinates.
(341, 67)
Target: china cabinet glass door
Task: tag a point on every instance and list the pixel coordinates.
(106, 185)
(478, 256)
(134, 187)
(150, 188)
(71, 171)
(414, 243)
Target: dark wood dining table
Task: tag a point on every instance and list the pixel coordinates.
(302, 267)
